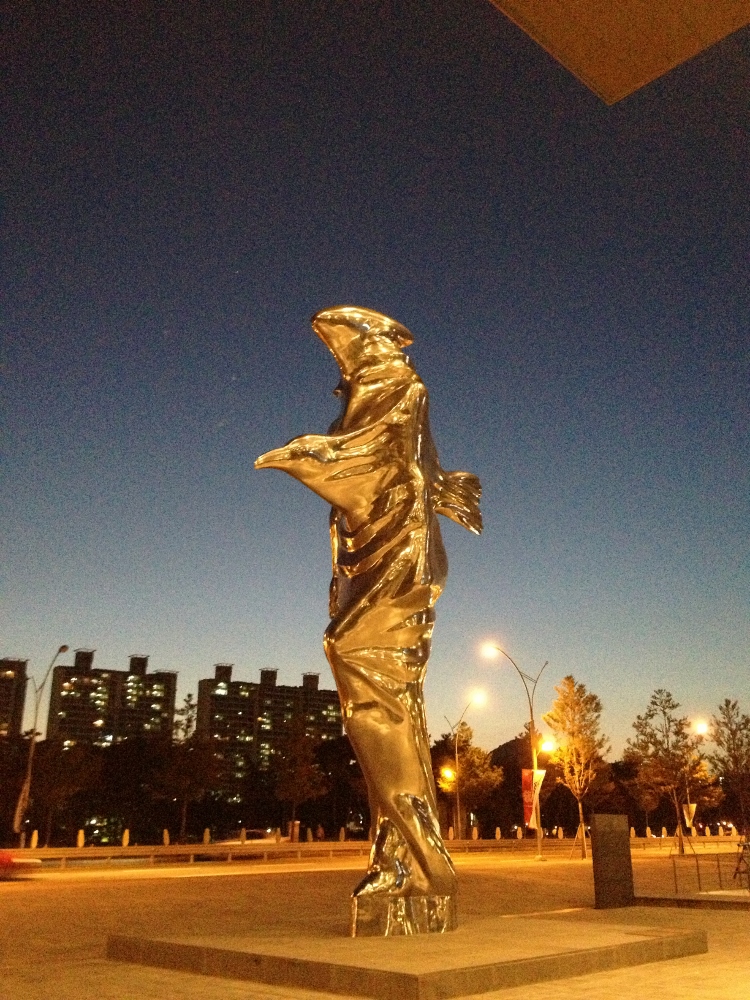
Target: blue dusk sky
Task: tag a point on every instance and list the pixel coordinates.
(186, 184)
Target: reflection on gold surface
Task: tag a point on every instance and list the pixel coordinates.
(379, 470)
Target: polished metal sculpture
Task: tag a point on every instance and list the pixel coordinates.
(379, 470)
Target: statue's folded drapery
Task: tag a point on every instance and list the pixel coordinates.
(378, 468)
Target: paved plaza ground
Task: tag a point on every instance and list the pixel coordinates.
(54, 927)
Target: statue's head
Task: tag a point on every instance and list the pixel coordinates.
(357, 336)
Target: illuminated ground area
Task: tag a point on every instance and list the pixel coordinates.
(54, 928)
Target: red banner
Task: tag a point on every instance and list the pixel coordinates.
(531, 783)
(527, 791)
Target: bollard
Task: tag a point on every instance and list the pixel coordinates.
(165, 838)
(475, 833)
(80, 839)
(207, 836)
(277, 835)
(498, 834)
(519, 833)
(632, 832)
(342, 834)
(125, 837)
(560, 833)
(309, 835)
(648, 831)
(664, 832)
(34, 839)
(243, 835)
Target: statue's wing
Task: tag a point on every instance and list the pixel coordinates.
(456, 495)
(343, 469)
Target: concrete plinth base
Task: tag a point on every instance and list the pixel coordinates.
(381, 915)
(487, 955)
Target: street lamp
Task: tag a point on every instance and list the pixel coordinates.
(491, 649)
(477, 698)
(23, 798)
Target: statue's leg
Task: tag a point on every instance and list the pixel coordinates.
(384, 719)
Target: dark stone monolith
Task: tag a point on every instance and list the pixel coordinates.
(613, 868)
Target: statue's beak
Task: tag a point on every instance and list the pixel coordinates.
(276, 459)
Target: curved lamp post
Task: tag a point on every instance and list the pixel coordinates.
(491, 649)
(478, 698)
(23, 798)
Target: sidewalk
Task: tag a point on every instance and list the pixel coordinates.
(54, 929)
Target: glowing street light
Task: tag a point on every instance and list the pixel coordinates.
(477, 699)
(491, 650)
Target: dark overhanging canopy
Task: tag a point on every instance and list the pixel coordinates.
(619, 46)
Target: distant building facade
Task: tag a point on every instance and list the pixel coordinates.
(90, 705)
(256, 716)
(13, 680)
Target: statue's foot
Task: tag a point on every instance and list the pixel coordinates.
(395, 880)
(383, 914)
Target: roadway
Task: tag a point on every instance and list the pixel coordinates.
(55, 924)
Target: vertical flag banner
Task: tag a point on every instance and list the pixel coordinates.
(531, 783)
(527, 792)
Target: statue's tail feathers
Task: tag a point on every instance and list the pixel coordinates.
(457, 496)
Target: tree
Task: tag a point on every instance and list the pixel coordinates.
(191, 768)
(131, 770)
(730, 733)
(477, 777)
(298, 776)
(184, 724)
(61, 773)
(346, 799)
(644, 794)
(13, 757)
(575, 723)
(669, 758)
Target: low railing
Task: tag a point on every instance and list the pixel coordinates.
(180, 853)
(264, 851)
(692, 844)
(259, 851)
(716, 879)
(707, 873)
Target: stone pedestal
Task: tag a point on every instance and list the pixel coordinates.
(487, 955)
(386, 915)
